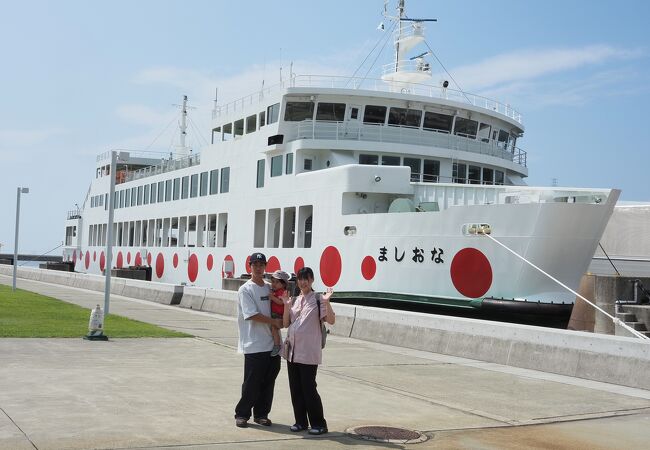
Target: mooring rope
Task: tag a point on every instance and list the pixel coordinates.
(614, 319)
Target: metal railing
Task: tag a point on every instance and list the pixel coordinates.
(345, 131)
(371, 84)
(166, 165)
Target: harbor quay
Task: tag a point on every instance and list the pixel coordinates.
(180, 393)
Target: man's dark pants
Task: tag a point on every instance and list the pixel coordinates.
(260, 372)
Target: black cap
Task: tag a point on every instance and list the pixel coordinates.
(257, 257)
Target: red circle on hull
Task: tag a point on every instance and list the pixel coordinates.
(193, 268)
(471, 273)
(102, 261)
(160, 265)
(210, 262)
(330, 266)
(368, 267)
(298, 264)
(120, 260)
(175, 260)
(272, 265)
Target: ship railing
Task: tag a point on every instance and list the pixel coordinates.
(74, 214)
(345, 131)
(165, 165)
(371, 84)
(454, 194)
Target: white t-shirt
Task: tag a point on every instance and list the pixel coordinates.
(254, 337)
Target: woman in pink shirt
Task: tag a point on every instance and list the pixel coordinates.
(303, 351)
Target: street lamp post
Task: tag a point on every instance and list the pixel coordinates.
(20, 190)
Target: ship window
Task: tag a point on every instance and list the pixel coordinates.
(227, 132)
(173, 232)
(261, 163)
(192, 239)
(161, 191)
(201, 231)
(331, 111)
(405, 117)
(484, 132)
(134, 194)
(465, 127)
(92, 202)
(194, 185)
(498, 177)
(504, 138)
(307, 164)
(390, 160)
(131, 233)
(354, 113)
(488, 176)
(177, 188)
(414, 164)
(127, 197)
(289, 164)
(216, 132)
(431, 171)
(297, 111)
(258, 234)
(276, 166)
(459, 173)
(437, 122)
(238, 128)
(212, 230)
(203, 190)
(222, 231)
(305, 226)
(153, 192)
(372, 160)
(273, 228)
(262, 119)
(474, 175)
(105, 202)
(225, 179)
(289, 227)
(273, 113)
(168, 190)
(214, 181)
(146, 194)
(374, 114)
(251, 123)
(185, 187)
(139, 195)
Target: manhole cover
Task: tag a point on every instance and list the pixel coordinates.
(381, 433)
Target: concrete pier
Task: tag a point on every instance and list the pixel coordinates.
(180, 393)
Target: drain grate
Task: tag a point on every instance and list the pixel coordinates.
(380, 433)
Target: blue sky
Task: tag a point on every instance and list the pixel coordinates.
(79, 78)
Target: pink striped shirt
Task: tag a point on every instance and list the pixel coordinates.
(304, 332)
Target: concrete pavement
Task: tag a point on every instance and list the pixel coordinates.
(180, 393)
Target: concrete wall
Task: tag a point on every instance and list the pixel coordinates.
(612, 359)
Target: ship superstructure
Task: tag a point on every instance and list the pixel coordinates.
(386, 188)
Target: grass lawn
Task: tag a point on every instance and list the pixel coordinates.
(30, 315)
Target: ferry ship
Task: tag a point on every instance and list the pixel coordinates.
(388, 188)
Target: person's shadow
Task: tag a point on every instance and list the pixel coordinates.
(340, 437)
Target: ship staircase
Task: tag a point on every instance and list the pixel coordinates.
(636, 313)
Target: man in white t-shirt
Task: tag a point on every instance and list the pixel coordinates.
(256, 342)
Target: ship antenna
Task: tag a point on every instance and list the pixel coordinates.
(183, 150)
(184, 123)
(216, 97)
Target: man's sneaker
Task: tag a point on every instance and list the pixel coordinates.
(275, 351)
(241, 422)
(263, 421)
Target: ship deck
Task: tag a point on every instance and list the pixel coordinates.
(180, 393)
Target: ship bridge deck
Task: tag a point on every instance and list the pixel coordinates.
(345, 131)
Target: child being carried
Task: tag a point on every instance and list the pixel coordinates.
(279, 280)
